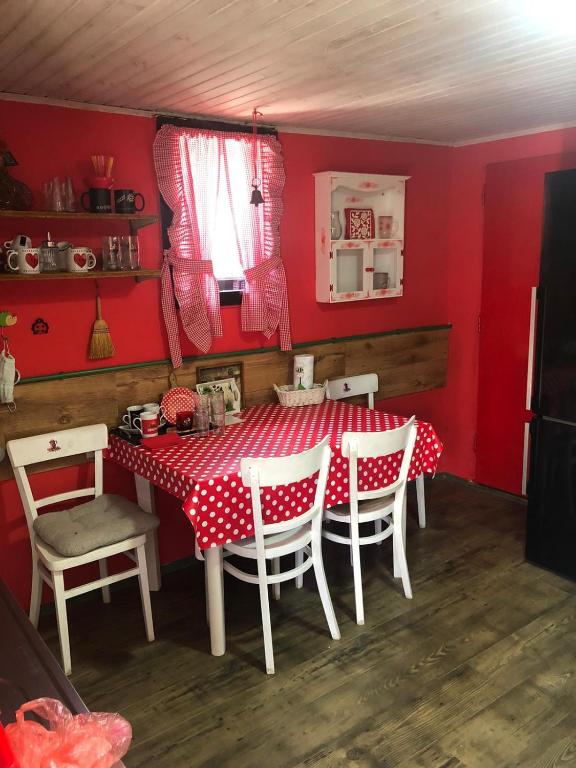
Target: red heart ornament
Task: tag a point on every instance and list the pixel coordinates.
(80, 259)
(32, 260)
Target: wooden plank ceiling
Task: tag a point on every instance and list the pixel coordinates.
(436, 70)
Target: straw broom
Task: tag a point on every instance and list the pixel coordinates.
(101, 344)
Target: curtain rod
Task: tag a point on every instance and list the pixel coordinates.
(212, 125)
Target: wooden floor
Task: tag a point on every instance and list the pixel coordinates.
(479, 669)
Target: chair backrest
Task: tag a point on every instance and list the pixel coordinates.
(350, 386)
(369, 445)
(48, 447)
(284, 470)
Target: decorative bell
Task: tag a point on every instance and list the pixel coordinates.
(256, 196)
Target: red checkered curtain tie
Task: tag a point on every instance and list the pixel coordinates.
(188, 171)
(188, 292)
(265, 302)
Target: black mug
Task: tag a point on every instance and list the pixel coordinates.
(125, 201)
(99, 200)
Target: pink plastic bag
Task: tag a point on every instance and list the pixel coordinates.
(94, 740)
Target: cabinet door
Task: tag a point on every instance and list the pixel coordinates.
(384, 274)
(347, 269)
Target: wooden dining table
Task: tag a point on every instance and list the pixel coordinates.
(204, 472)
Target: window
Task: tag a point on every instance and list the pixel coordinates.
(225, 254)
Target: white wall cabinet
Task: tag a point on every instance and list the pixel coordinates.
(368, 264)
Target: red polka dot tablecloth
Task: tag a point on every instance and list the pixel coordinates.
(205, 472)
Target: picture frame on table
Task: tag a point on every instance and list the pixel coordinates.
(219, 372)
(232, 399)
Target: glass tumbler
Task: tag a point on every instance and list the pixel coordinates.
(57, 195)
(217, 412)
(111, 253)
(202, 419)
(130, 252)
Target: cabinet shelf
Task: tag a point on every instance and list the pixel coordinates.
(372, 241)
(135, 220)
(93, 274)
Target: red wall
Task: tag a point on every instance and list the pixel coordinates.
(463, 269)
(443, 273)
(59, 141)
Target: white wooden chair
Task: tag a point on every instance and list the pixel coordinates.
(351, 386)
(386, 505)
(272, 540)
(92, 531)
(367, 384)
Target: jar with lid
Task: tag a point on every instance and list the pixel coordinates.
(49, 257)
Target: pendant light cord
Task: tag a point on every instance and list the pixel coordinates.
(255, 115)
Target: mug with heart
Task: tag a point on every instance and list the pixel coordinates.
(80, 260)
(24, 260)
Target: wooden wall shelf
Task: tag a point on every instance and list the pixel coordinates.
(93, 274)
(135, 220)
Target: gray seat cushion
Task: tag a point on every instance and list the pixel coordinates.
(105, 520)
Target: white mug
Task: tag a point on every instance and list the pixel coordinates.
(155, 408)
(147, 423)
(132, 412)
(24, 260)
(20, 241)
(80, 260)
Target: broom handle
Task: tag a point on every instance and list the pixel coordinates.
(98, 308)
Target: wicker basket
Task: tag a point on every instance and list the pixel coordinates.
(291, 397)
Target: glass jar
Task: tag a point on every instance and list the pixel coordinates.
(49, 256)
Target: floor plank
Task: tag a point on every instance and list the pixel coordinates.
(477, 670)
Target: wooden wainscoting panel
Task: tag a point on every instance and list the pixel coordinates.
(407, 361)
(141, 385)
(49, 405)
(329, 361)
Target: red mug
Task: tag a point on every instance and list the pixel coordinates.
(147, 424)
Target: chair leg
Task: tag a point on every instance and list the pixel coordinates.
(318, 564)
(402, 562)
(266, 622)
(299, 558)
(145, 591)
(276, 571)
(103, 566)
(357, 569)
(421, 500)
(378, 529)
(402, 522)
(62, 620)
(36, 593)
